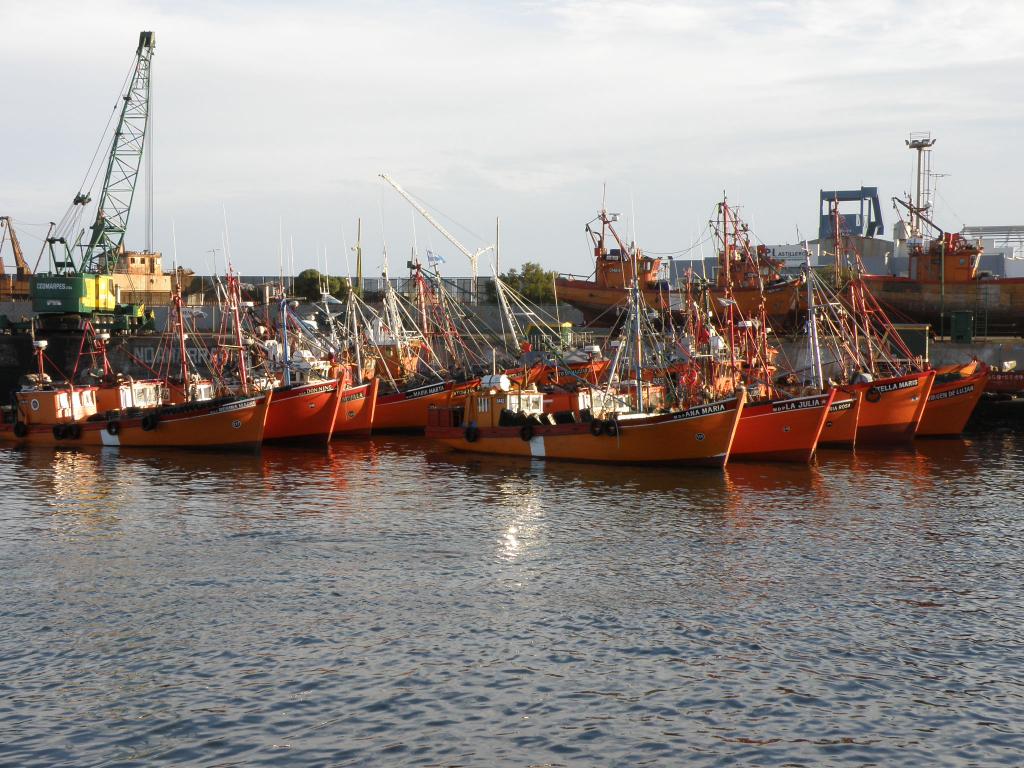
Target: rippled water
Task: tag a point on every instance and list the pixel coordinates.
(387, 603)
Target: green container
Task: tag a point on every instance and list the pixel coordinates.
(961, 326)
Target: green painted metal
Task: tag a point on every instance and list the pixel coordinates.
(74, 294)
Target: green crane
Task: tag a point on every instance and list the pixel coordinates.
(84, 285)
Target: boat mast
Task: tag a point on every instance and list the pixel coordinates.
(728, 288)
(636, 332)
(287, 380)
(812, 324)
(181, 332)
(236, 294)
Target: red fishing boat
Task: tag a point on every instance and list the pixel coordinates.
(840, 430)
(951, 402)
(782, 429)
(304, 411)
(356, 410)
(892, 408)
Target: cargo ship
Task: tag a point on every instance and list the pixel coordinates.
(936, 276)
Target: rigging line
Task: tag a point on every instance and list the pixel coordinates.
(956, 215)
(103, 140)
(680, 252)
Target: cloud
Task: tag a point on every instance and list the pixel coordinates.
(521, 110)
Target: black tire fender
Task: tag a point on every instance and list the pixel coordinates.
(149, 422)
(873, 395)
(611, 428)
(20, 429)
(526, 433)
(472, 434)
(596, 427)
(113, 427)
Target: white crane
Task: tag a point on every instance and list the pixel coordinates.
(471, 255)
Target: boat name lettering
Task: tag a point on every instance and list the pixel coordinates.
(354, 396)
(842, 405)
(432, 390)
(966, 389)
(896, 385)
(240, 405)
(796, 405)
(702, 410)
(321, 389)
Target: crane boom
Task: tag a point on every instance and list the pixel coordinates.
(123, 166)
(20, 264)
(472, 256)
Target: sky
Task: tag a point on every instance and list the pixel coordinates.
(272, 121)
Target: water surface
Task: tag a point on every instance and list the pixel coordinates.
(389, 603)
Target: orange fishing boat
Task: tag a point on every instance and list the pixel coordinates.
(66, 416)
(840, 430)
(235, 423)
(783, 429)
(407, 410)
(951, 402)
(892, 408)
(357, 410)
(699, 436)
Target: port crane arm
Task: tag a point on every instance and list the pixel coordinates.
(471, 255)
(123, 166)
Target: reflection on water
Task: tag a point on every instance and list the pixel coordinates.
(385, 602)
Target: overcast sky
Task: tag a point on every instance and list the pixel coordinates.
(284, 114)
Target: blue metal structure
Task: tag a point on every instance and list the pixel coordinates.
(867, 222)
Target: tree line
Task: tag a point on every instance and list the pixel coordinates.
(531, 281)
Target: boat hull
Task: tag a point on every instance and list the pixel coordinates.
(356, 410)
(950, 404)
(997, 301)
(699, 436)
(303, 412)
(229, 424)
(840, 430)
(1005, 383)
(892, 408)
(781, 430)
(601, 305)
(407, 411)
